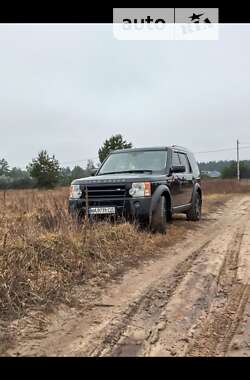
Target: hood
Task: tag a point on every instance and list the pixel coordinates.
(119, 177)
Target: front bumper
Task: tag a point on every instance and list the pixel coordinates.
(128, 208)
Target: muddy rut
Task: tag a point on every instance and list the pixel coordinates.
(193, 300)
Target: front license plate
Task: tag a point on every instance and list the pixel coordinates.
(101, 210)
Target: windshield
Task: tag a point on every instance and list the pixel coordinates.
(152, 161)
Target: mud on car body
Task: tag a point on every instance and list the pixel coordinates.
(148, 185)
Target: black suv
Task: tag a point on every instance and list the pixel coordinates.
(144, 184)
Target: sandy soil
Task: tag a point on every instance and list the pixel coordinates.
(193, 300)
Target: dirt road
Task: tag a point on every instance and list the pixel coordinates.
(193, 300)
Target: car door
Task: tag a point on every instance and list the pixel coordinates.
(175, 182)
(187, 179)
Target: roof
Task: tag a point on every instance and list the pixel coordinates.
(149, 149)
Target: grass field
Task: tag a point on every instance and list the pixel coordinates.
(44, 254)
(225, 186)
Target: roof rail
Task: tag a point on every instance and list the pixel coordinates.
(179, 147)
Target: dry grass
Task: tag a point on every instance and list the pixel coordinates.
(225, 186)
(44, 254)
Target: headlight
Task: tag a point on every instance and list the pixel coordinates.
(75, 191)
(140, 189)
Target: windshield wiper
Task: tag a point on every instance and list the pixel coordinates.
(129, 171)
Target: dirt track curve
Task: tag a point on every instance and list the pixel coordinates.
(191, 301)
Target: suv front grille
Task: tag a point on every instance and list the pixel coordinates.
(110, 194)
(104, 191)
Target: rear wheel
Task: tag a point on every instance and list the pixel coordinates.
(159, 217)
(194, 213)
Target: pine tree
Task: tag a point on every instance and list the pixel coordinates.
(113, 143)
(45, 170)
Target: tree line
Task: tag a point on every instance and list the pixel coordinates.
(228, 169)
(44, 171)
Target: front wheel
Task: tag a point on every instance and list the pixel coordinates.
(159, 217)
(194, 213)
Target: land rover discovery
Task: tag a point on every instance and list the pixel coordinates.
(147, 185)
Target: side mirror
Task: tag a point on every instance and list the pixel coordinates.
(178, 169)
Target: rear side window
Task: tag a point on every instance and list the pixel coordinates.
(175, 159)
(185, 162)
(194, 165)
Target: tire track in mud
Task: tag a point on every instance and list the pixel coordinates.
(140, 330)
(214, 336)
(191, 302)
(143, 314)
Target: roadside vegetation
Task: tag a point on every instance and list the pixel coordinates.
(43, 253)
(225, 186)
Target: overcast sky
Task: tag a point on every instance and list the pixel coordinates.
(66, 88)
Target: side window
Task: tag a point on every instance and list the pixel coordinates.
(185, 162)
(175, 159)
(194, 165)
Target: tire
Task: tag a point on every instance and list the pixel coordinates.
(194, 214)
(159, 217)
(169, 216)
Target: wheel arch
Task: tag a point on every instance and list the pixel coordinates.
(162, 190)
(168, 200)
(197, 189)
